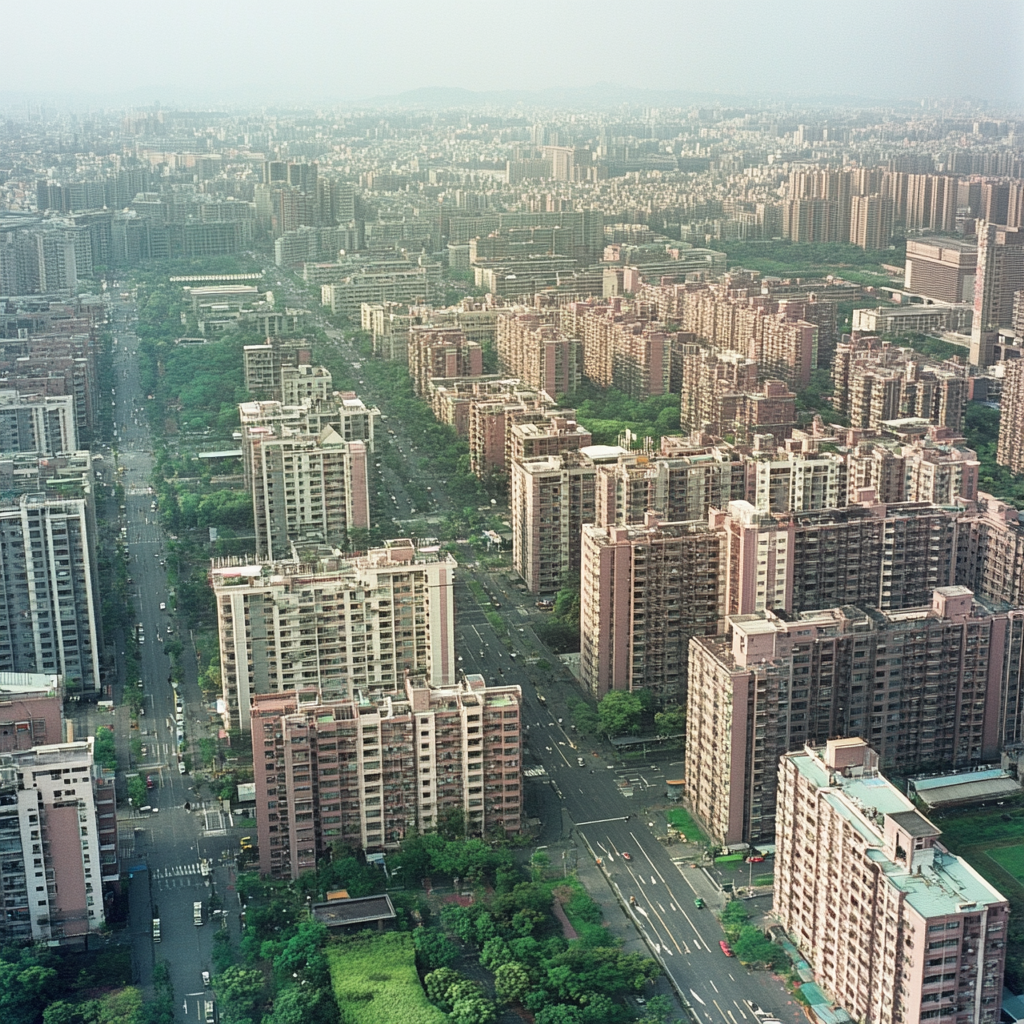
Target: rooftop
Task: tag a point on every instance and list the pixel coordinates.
(944, 885)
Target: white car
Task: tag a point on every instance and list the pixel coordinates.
(163, 606)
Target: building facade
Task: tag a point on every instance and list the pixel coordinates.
(341, 626)
(369, 773)
(933, 687)
(896, 928)
(58, 826)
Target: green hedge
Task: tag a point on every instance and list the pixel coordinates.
(375, 981)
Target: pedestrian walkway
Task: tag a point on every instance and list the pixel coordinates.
(181, 876)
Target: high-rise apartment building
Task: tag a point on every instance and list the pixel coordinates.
(871, 221)
(37, 423)
(933, 687)
(49, 591)
(1010, 445)
(644, 592)
(552, 496)
(58, 827)
(896, 928)
(264, 363)
(344, 411)
(305, 383)
(31, 710)
(338, 626)
(720, 395)
(796, 481)
(307, 489)
(368, 773)
(877, 382)
(442, 352)
(532, 347)
(1000, 275)
(682, 481)
(879, 556)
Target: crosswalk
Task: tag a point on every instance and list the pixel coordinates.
(180, 876)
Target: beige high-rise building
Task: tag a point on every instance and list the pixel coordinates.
(871, 221)
(58, 827)
(944, 269)
(896, 928)
(1010, 446)
(1000, 276)
(308, 490)
(441, 352)
(340, 626)
(370, 772)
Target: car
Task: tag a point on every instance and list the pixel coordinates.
(149, 782)
(756, 859)
(726, 948)
(163, 606)
(181, 767)
(625, 856)
(699, 903)
(206, 979)
(580, 761)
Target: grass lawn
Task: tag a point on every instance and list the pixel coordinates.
(681, 819)
(980, 827)
(1011, 858)
(375, 981)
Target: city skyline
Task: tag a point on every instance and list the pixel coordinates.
(428, 56)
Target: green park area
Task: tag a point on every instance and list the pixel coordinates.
(375, 981)
(680, 820)
(991, 840)
(1010, 858)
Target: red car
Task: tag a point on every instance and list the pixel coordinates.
(626, 856)
(726, 948)
(756, 859)
(149, 782)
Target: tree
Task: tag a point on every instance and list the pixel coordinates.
(458, 921)
(619, 712)
(494, 953)
(471, 1006)
(751, 947)
(121, 1007)
(136, 791)
(439, 983)
(511, 982)
(585, 718)
(671, 721)
(239, 989)
(559, 1013)
(433, 949)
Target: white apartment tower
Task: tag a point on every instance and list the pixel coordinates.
(339, 626)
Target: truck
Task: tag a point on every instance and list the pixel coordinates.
(156, 929)
(197, 913)
(208, 1016)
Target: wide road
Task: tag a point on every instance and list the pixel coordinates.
(602, 802)
(167, 844)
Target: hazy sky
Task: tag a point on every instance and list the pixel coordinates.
(269, 50)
